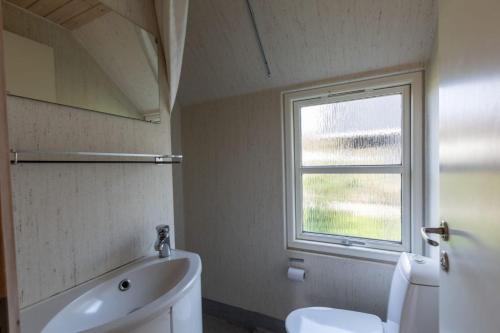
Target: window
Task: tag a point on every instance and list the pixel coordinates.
(352, 182)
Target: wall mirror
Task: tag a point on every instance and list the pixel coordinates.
(81, 53)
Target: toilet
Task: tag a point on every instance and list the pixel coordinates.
(412, 308)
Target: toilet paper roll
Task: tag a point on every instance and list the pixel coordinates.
(296, 274)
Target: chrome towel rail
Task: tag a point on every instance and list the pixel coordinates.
(27, 156)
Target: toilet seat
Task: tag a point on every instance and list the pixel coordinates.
(329, 320)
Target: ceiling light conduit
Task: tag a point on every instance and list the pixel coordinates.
(259, 41)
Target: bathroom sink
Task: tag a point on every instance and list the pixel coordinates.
(135, 296)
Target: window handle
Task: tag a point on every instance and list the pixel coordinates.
(441, 230)
(350, 242)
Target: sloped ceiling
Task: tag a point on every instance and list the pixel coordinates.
(70, 14)
(305, 40)
(128, 56)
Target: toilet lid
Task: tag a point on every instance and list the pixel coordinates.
(328, 320)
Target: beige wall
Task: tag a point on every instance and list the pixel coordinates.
(234, 218)
(74, 222)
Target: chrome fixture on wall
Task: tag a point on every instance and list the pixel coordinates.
(18, 157)
(162, 244)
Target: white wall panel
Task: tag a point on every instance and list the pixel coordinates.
(233, 199)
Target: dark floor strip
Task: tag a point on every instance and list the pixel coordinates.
(247, 319)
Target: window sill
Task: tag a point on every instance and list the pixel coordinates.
(351, 251)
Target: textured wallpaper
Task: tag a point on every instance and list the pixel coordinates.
(74, 222)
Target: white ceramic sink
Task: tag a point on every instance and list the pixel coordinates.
(156, 295)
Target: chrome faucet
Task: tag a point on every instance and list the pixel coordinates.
(162, 244)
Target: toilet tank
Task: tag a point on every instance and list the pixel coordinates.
(413, 300)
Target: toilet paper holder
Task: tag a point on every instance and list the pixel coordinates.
(296, 260)
(295, 273)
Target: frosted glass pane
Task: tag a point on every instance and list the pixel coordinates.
(359, 132)
(359, 205)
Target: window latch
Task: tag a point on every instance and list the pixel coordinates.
(349, 242)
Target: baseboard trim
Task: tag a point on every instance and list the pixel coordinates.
(248, 319)
(4, 315)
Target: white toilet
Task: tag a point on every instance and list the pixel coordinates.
(412, 308)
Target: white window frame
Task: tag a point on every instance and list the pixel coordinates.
(410, 86)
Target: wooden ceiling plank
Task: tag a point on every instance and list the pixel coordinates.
(22, 3)
(45, 7)
(86, 17)
(69, 10)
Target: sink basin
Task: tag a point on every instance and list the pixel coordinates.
(144, 296)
